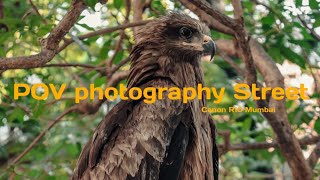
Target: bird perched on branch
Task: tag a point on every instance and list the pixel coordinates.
(167, 139)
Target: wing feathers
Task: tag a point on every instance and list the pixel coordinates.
(134, 135)
(171, 166)
(92, 150)
(215, 152)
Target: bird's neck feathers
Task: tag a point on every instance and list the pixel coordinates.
(151, 63)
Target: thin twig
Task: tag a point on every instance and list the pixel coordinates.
(314, 156)
(118, 66)
(264, 145)
(38, 138)
(69, 65)
(117, 48)
(311, 30)
(37, 11)
(104, 31)
(232, 63)
(57, 100)
(49, 45)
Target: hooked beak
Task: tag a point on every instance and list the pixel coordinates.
(209, 47)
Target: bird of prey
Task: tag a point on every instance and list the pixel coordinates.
(167, 139)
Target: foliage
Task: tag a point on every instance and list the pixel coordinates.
(275, 24)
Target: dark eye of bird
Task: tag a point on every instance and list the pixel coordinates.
(185, 32)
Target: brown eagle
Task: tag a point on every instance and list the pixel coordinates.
(167, 139)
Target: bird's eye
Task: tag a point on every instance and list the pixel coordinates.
(185, 32)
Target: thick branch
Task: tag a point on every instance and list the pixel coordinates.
(238, 12)
(49, 45)
(211, 22)
(137, 9)
(58, 33)
(39, 60)
(240, 34)
(214, 13)
(254, 55)
(288, 143)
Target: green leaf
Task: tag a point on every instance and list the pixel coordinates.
(316, 23)
(269, 19)
(34, 173)
(302, 43)
(293, 57)
(91, 3)
(105, 49)
(118, 3)
(275, 53)
(4, 37)
(314, 4)
(158, 6)
(298, 3)
(16, 115)
(317, 125)
(99, 81)
(86, 26)
(315, 96)
(72, 150)
(2, 53)
(118, 57)
(43, 30)
(246, 124)
(90, 40)
(31, 126)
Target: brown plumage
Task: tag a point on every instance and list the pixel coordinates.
(166, 139)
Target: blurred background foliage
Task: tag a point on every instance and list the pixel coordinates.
(277, 25)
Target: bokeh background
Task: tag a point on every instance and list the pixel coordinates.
(289, 31)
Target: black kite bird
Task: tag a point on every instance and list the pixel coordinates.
(167, 139)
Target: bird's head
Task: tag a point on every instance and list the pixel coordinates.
(177, 34)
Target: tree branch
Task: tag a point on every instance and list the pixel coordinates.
(214, 13)
(288, 143)
(265, 145)
(104, 31)
(34, 7)
(238, 12)
(83, 108)
(314, 156)
(49, 45)
(240, 35)
(211, 22)
(66, 65)
(38, 138)
(278, 120)
(311, 30)
(91, 108)
(137, 9)
(235, 66)
(122, 35)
